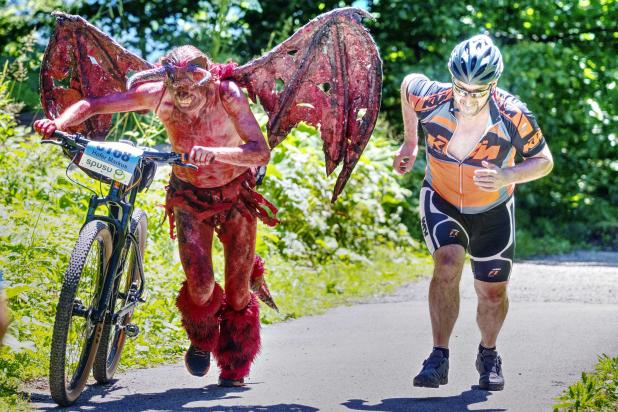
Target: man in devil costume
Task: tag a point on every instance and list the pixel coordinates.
(207, 116)
(210, 119)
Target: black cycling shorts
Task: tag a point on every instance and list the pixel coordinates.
(489, 237)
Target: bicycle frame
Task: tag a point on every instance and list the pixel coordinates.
(119, 219)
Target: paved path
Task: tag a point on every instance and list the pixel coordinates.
(362, 358)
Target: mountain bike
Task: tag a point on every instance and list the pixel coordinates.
(104, 281)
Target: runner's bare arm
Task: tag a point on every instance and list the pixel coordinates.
(532, 168)
(145, 96)
(406, 155)
(492, 178)
(254, 152)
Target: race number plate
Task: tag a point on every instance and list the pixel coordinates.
(111, 159)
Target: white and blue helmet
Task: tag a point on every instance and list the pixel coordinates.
(476, 61)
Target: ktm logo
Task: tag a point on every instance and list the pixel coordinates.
(534, 140)
(430, 102)
(437, 143)
(454, 233)
(485, 152)
(494, 272)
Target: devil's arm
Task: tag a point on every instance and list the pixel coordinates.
(255, 151)
(143, 97)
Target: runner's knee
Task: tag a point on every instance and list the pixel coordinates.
(491, 293)
(449, 262)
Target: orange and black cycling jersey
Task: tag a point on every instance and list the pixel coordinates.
(512, 129)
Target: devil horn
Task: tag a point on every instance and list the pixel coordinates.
(207, 76)
(156, 74)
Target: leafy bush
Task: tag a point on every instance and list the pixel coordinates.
(368, 213)
(597, 391)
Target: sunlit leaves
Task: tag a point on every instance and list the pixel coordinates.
(596, 391)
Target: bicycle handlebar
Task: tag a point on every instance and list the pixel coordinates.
(79, 142)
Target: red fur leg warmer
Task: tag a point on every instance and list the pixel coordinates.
(201, 321)
(239, 342)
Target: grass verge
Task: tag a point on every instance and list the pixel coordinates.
(596, 391)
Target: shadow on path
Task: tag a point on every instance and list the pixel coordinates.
(171, 400)
(457, 403)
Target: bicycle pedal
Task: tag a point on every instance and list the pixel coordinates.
(132, 330)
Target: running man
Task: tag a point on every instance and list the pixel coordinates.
(473, 132)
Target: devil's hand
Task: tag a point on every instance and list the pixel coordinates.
(201, 155)
(45, 127)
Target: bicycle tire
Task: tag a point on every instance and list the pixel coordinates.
(82, 283)
(113, 336)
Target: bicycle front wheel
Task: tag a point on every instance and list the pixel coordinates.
(75, 336)
(127, 283)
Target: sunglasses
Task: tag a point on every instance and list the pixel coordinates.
(475, 95)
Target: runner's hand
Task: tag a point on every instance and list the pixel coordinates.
(201, 155)
(45, 127)
(405, 157)
(490, 179)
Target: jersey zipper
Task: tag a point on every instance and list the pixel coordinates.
(460, 162)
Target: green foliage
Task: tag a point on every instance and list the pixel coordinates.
(33, 251)
(597, 391)
(152, 28)
(277, 21)
(21, 24)
(551, 242)
(367, 214)
(301, 288)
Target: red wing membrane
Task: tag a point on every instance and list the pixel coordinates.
(81, 61)
(328, 74)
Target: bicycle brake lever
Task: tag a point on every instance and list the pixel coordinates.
(185, 165)
(51, 141)
(183, 162)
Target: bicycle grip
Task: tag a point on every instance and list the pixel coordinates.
(184, 157)
(62, 135)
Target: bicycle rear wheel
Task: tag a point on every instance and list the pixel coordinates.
(75, 336)
(114, 334)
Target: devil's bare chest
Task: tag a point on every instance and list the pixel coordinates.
(212, 127)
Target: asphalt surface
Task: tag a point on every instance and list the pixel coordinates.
(563, 314)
